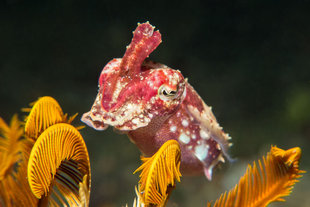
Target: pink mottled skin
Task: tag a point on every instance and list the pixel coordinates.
(153, 103)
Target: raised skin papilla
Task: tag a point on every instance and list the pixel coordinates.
(153, 103)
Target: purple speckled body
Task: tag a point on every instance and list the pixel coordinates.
(153, 103)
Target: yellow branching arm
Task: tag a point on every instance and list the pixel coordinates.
(159, 173)
(10, 145)
(44, 113)
(58, 154)
(53, 154)
(268, 181)
(84, 192)
(14, 153)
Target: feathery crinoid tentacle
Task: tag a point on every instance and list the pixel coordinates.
(268, 181)
(14, 153)
(58, 162)
(45, 112)
(58, 159)
(10, 145)
(84, 192)
(159, 173)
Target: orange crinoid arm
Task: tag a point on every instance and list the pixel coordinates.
(268, 181)
(159, 173)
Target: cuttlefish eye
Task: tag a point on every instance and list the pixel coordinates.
(165, 93)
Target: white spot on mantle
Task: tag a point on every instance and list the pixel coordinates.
(135, 121)
(184, 122)
(184, 138)
(201, 151)
(203, 134)
(173, 128)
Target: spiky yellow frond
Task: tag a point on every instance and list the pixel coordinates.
(14, 151)
(268, 181)
(84, 192)
(10, 145)
(15, 190)
(45, 112)
(59, 160)
(159, 173)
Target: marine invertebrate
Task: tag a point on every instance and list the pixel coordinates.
(44, 112)
(153, 103)
(270, 180)
(44, 163)
(159, 173)
(14, 154)
(59, 158)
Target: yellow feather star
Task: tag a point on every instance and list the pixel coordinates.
(14, 153)
(272, 179)
(84, 192)
(45, 112)
(159, 172)
(59, 157)
(10, 145)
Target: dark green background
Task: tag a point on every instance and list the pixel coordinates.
(250, 60)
